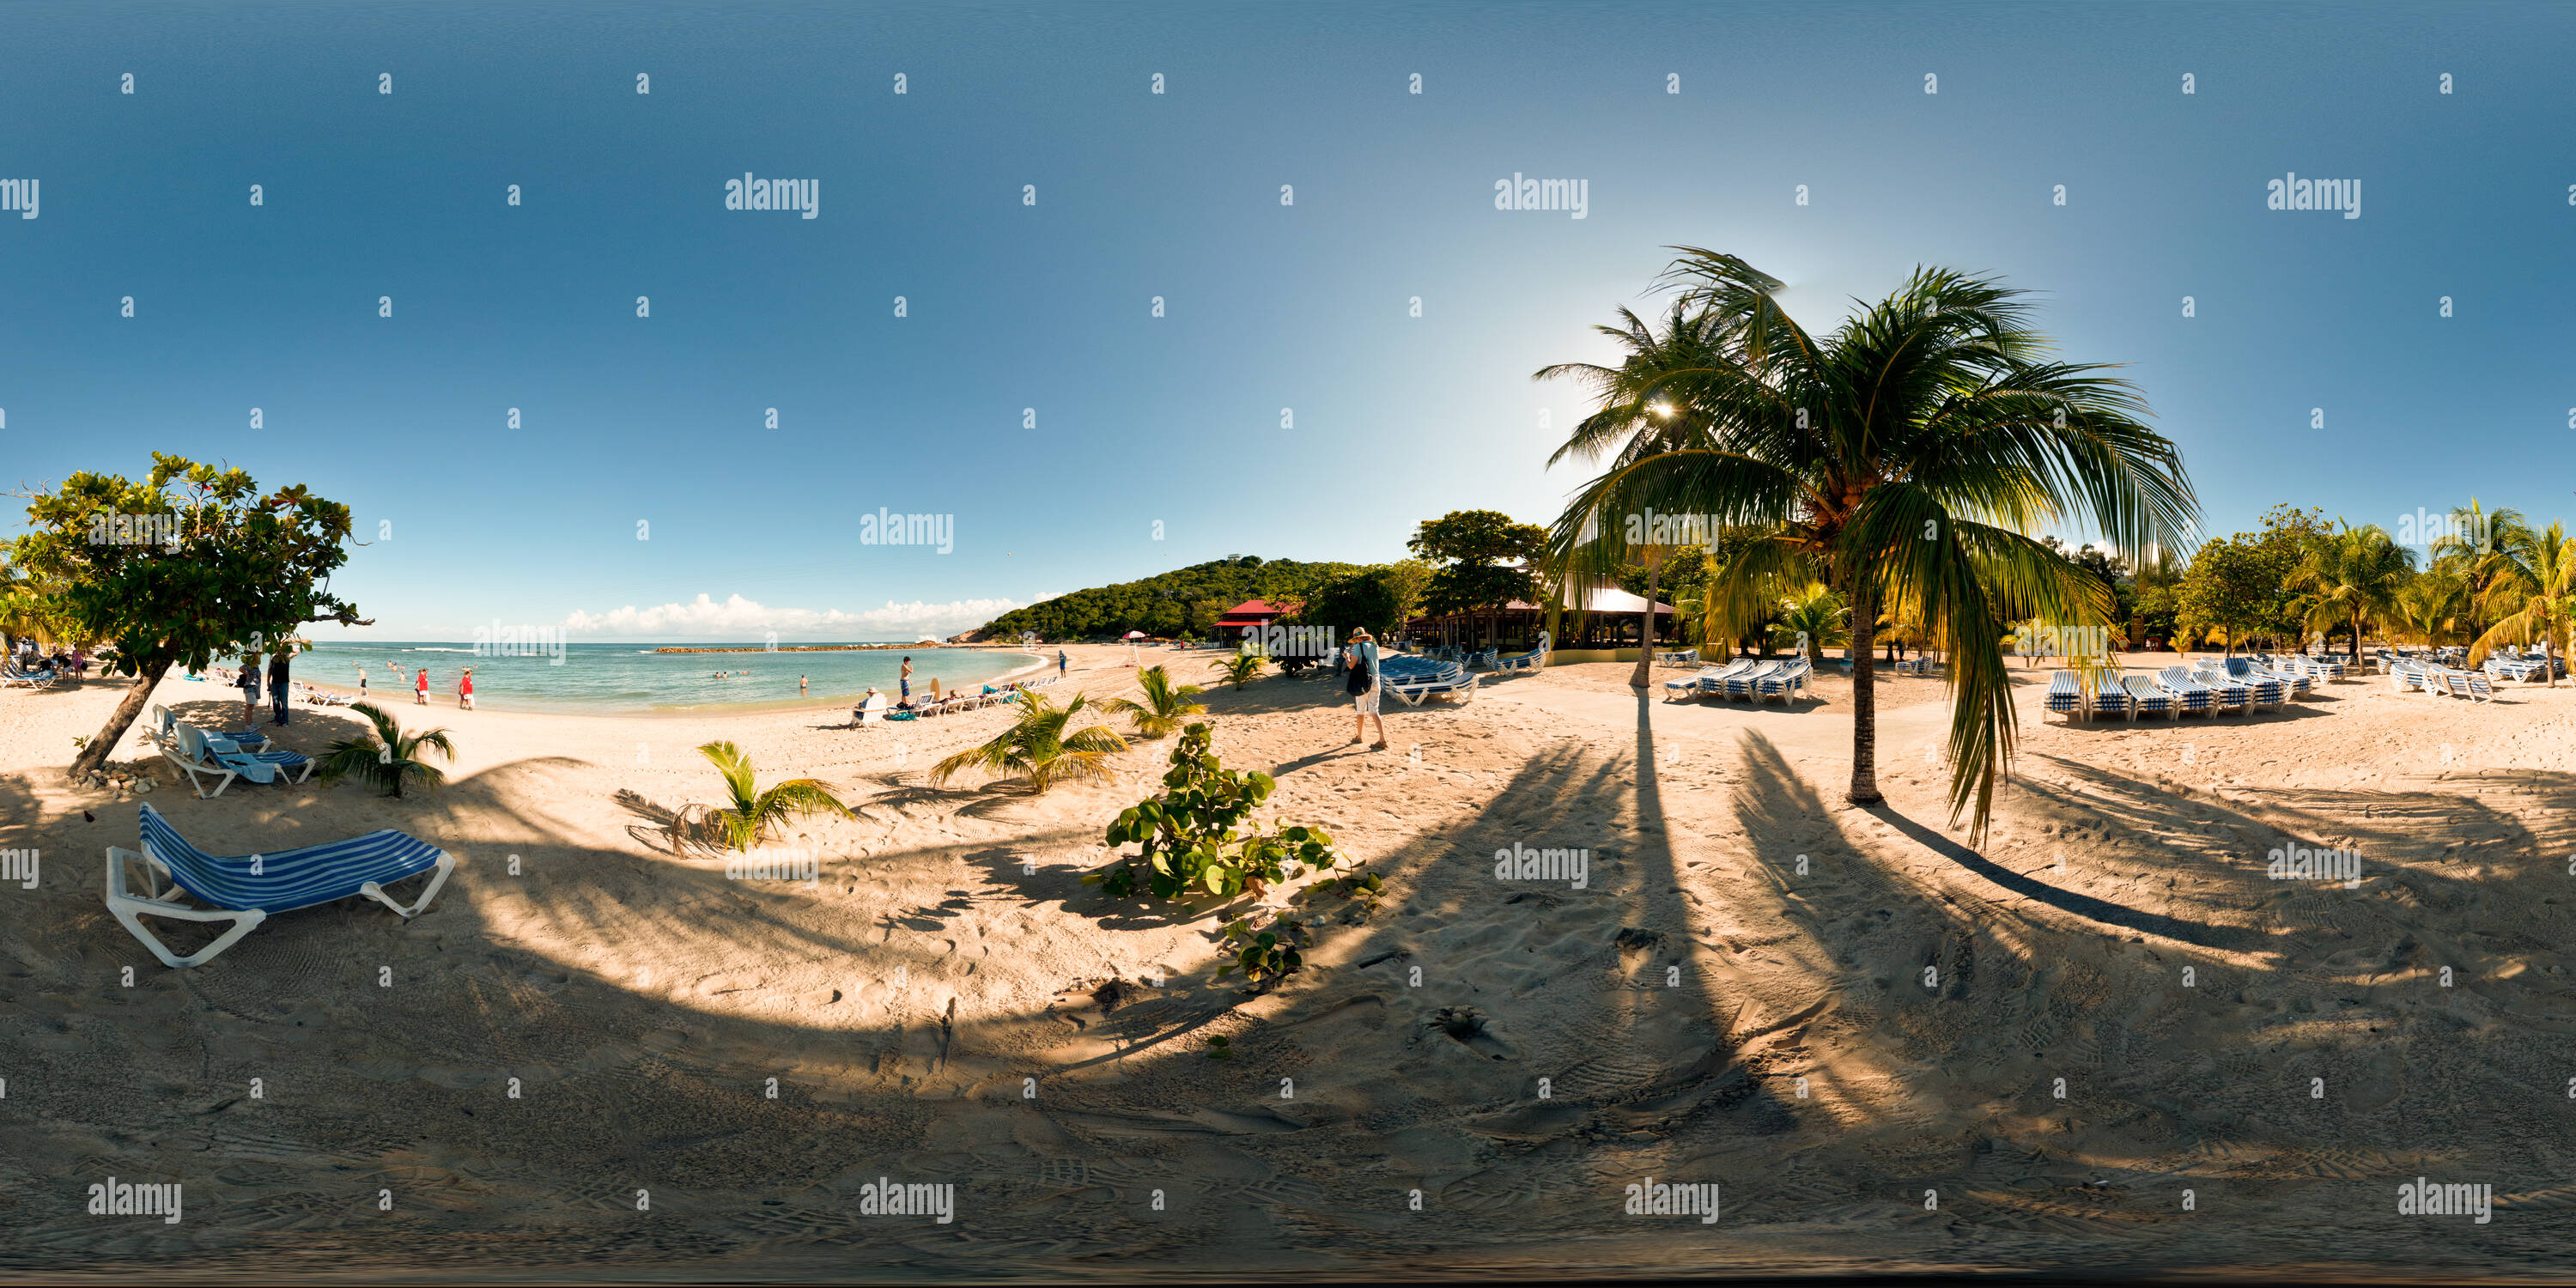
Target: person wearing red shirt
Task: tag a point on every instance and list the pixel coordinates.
(465, 690)
(423, 688)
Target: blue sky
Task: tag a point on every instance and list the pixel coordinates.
(1267, 307)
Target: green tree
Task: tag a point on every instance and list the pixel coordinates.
(2538, 581)
(2350, 577)
(1817, 615)
(1909, 452)
(236, 568)
(1643, 408)
(1470, 548)
(2474, 549)
(2233, 585)
(1371, 599)
(754, 812)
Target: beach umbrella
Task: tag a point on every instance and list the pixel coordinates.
(1132, 637)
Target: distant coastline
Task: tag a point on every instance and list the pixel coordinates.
(807, 648)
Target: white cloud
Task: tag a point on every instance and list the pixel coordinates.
(740, 618)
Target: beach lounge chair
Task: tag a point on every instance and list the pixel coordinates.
(12, 677)
(2269, 689)
(1534, 660)
(166, 721)
(2407, 674)
(1678, 657)
(2146, 699)
(245, 890)
(1694, 685)
(2472, 685)
(1747, 683)
(2113, 700)
(2065, 696)
(2226, 692)
(1787, 680)
(2296, 681)
(1412, 679)
(2188, 694)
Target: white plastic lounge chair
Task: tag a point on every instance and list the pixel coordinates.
(1534, 660)
(1678, 657)
(1747, 683)
(2145, 699)
(2065, 696)
(1785, 681)
(245, 890)
(2113, 700)
(2472, 685)
(1694, 685)
(1412, 679)
(2188, 694)
(2226, 692)
(12, 677)
(2269, 689)
(167, 722)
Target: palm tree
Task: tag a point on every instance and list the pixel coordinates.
(2429, 606)
(1038, 749)
(1639, 415)
(1909, 452)
(387, 757)
(1818, 615)
(2476, 552)
(2350, 576)
(2537, 576)
(1242, 668)
(1165, 708)
(755, 812)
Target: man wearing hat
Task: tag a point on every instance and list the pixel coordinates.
(1360, 661)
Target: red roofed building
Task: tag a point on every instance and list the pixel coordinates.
(1252, 612)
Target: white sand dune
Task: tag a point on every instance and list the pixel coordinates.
(949, 1005)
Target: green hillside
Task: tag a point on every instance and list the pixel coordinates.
(1168, 604)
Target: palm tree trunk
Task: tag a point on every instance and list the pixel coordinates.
(1864, 775)
(94, 756)
(1644, 674)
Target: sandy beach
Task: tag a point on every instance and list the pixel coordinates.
(1849, 1020)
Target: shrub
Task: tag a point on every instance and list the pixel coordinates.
(1188, 835)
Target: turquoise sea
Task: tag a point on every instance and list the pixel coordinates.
(603, 679)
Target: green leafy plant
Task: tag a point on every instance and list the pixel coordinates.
(755, 812)
(1241, 668)
(1040, 748)
(212, 563)
(1165, 706)
(1366, 889)
(1188, 835)
(387, 758)
(1220, 1047)
(1269, 954)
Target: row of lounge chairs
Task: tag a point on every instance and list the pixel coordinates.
(1747, 678)
(1410, 679)
(878, 709)
(12, 677)
(2441, 681)
(223, 757)
(2208, 688)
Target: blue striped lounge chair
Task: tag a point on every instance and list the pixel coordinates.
(1785, 681)
(2113, 700)
(2065, 696)
(2294, 681)
(2146, 699)
(245, 890)
(2407, 674)
(2328, 667)
(2226, 692)
(1678, 657)
(2269, 689)
(12, 676)
(1748, 683)
(1709, 679)
(2188, 694)
(1412, 679)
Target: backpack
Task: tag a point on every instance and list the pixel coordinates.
(1360, 681)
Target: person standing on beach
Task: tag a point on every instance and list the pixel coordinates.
(1364, 687)
(422, 690)
(1059, 664)
(249, 682)
(362, 684)
(465, 691)
(277, 681)
(906, 681)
